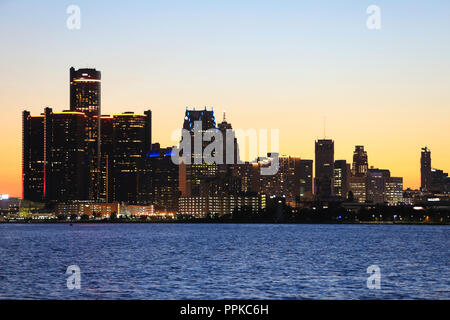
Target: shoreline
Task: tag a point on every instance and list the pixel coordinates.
(232, 222)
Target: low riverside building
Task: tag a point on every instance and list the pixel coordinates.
(201, 207)
(104, 210)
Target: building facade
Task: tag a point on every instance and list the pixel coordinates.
(85, 97)
(32, 157)
(323, 183)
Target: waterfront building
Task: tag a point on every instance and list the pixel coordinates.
(324, 152)
(342, 175)
(358, 188)
(131, 143)
(376, 185)
(306, 179)
(65, 157)
(217, 206)
(161, 179)
(85, 97)
(32, 157)
(192, 177)
(394, 191)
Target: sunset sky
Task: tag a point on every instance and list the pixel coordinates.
(269, 64)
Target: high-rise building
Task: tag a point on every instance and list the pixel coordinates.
(228, 134)
(358, 188)
(376, 185)
(341, 178)
(107, 158)
(394, 191)
(285, 183)
(65, 156)
(194, 175)
(130, 147)
(425, 169)
(161, 179)
(33, 156)
(85, 97)
(306, 179)
(440, 181)
(360, 162)
(323, 186)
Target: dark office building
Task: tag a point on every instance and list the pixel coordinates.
(65, 156)
(360, 162)
(425, 169)
(376, 185)
(161, 180)
(440, 181)
(206, 117)
(85, 97)
(33, 157)
(130, 147)
(107, 158)
(323, 186)
(193, 176)
(228, 134)
(342, 175)
(306, 179)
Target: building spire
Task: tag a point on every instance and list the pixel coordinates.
(224, 116)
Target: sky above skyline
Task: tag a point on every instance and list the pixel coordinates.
(270, 64)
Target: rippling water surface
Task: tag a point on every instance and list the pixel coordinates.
(215, 261)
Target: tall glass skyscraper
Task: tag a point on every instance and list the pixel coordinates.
(33, 157)
(85, 97)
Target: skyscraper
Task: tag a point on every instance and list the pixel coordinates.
(341, 178)
(161, 179)
(323, 186)
(360, 162)
(306, 179)
(85, 97)
(376, 185)
(425, 169)
(193, 176)
(107, 158)
(65, 156)
(130, 146)
(33, 156)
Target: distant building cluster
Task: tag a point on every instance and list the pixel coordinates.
(80, 161)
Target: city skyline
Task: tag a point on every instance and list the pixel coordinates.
(370, 96)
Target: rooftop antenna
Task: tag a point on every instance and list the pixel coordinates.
(224, 116)
(324, 127)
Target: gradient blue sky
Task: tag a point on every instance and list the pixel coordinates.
(270, 64)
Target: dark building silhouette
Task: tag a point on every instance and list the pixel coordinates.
(85, 97)
(323, 185)
(192, 177)
(65, 156)
(107, 158)
(130, 147)
(33, 157)
(228, 134)
(206, 117)
(306, 179)
(425, 169)
(440, 181)
(342, 175)
(376, 185)
(161, 179)
(360, 162)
